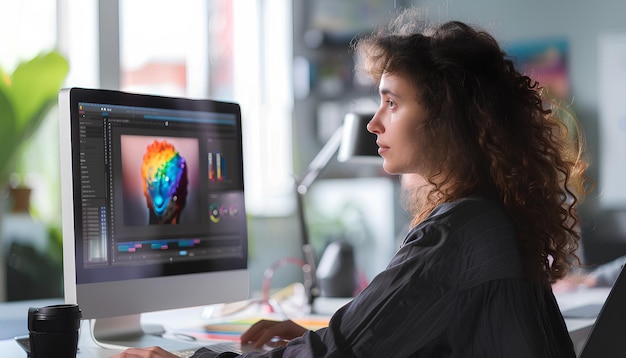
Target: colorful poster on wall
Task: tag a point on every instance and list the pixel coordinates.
(545, 61)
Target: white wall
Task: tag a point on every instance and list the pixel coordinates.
(582, 23)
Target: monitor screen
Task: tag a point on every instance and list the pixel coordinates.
(153, 202)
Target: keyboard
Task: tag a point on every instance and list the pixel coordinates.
(220, 347)
(186, 353)
(24, 342)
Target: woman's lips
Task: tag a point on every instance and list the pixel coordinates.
(382, 148)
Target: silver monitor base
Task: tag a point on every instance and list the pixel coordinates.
(126, 331)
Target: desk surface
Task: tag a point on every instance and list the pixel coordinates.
(579, 328)
(87, 348)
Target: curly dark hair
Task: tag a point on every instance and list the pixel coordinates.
(491, 130)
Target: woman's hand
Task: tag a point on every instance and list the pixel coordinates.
(152, 352)
(266, 332)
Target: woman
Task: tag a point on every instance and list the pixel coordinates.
(493, 178)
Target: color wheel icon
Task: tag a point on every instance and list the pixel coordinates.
(214, 210)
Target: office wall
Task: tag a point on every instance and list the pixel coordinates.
(581, 23)
(511, 21)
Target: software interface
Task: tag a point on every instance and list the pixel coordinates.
(161, 192)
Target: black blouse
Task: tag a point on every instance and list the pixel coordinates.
(455, 288)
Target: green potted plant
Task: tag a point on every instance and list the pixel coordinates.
(26, 96)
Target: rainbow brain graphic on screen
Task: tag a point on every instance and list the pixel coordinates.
(164, 175)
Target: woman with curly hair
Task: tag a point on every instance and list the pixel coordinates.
(493, 175)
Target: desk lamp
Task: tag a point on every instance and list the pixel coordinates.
(355, 144)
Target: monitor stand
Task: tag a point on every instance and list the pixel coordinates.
(127, 331)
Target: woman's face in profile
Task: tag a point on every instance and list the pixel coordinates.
(398, 125)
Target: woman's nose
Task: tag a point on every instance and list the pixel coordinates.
(373, 125)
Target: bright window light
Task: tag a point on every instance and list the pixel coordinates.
(28, 27)
(164, 50)
(263, 86)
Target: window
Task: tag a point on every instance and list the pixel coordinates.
(231, 50)
(28, 28)
(226, 50)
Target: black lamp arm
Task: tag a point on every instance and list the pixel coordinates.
(302, 186)
(320, 161)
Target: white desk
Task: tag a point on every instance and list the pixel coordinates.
(87, 348)
(579, 328)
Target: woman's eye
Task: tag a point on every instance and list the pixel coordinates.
(390, 104)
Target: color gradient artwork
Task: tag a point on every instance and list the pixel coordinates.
(164, 176)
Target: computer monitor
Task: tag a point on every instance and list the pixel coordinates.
(152, 206)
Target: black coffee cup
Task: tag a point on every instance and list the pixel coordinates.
(53, 331)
